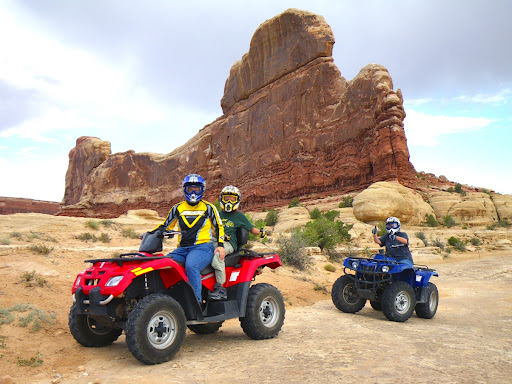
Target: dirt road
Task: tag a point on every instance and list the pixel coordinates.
(468, 341)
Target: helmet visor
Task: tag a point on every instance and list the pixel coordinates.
(193, 189)
(392, 225)
(229, 198)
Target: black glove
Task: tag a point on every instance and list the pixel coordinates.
(374, 230)
(262, 233)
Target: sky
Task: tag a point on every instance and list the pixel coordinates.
(148, 75)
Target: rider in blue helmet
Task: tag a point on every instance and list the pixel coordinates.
(395, 241)
(196, 219)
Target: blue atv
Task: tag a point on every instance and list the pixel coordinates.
(396, 289)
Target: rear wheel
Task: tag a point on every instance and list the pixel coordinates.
(264, 314)
(156, 328)
(90, 332)
(428, 310)
(205, 329)
(344, 295)
(398, 301)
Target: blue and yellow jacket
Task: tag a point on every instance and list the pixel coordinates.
(195, 223)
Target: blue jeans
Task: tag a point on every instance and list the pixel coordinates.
(195, 257)
(405, 261)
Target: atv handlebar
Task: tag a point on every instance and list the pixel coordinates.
(170, 234)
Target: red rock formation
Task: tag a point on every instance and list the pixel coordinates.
(292, 126)
(11, 205)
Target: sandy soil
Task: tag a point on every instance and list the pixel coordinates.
(468, 341)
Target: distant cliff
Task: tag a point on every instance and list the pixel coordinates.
(291, 126)
(11, 205)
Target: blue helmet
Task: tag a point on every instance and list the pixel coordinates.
(193, 188)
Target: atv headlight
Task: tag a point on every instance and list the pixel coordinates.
(385, 268)
(354, 264)
(113, 281)
(77, 281)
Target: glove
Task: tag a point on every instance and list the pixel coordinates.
(392, 237)
(262, 233)
(374, 230)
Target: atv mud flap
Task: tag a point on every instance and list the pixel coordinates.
(421, 295)
(90, 305)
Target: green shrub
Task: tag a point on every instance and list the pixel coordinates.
(432, 222)
(93, 224)
(41, 249)
(129, 233)
(32, 362)
(331, 215)
(294, 203)
(85, 236)
(271, 218)
(476, 241)
(448, 221)
(107, 223)
(330, 268)
(16, 235)
(438, 243)
(315, 214)
(104, 238)
(381, 229)
(325, 233)
(457, 244)
(292, 252)
(458, 189)
(31, 279)
(4, 241)
(346, 202)
(217, 204)
(422, 237)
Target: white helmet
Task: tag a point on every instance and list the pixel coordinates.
(230, 198)
(392, 225)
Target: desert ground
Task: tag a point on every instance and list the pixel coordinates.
(468, 341)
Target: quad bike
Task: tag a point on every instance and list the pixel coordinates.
(396, 289)
(148, 296)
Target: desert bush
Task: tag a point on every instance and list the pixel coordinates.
(41, 249)
(104, 238)
(32, 315)
(331, 215)
(457, 244)
(476, 241)
(325, 233)
(346, 202)
(292, 252)
(32, 362)
(458, 189)
(31, 279)
(432, 222)
(4, 241)
(315, 214)
(334, 255)
(448, 221)
(271, 218)
(16, 235)
(438, 243)
(107, 223)
(294, 203)
(33, 235)
(93, 224)
(422, 237)
(85, 236)
(330, 268)
(129, 233)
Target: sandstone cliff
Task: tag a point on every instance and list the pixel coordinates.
(11, 205)
(291, 126)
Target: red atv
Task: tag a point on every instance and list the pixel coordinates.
(148, 295)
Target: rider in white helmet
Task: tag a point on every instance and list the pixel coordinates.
(395, 241)
(232, 219)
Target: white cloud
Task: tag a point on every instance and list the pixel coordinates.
(424, 130)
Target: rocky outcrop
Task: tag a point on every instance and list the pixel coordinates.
(503, 204)
(292, 126)
(11, 205)
(382, 200)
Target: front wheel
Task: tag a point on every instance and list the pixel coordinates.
(156, 328)
(344, 295)
(398, 301)
(90, 332)
(428, 310)
(264, 314)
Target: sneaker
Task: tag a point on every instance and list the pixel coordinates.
(218, 293)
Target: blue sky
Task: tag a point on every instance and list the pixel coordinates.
(148, 76)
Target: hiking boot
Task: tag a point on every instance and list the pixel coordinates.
(218, 293)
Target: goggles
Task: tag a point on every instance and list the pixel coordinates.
(392, 225)
(193, 189)
(229, 198)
